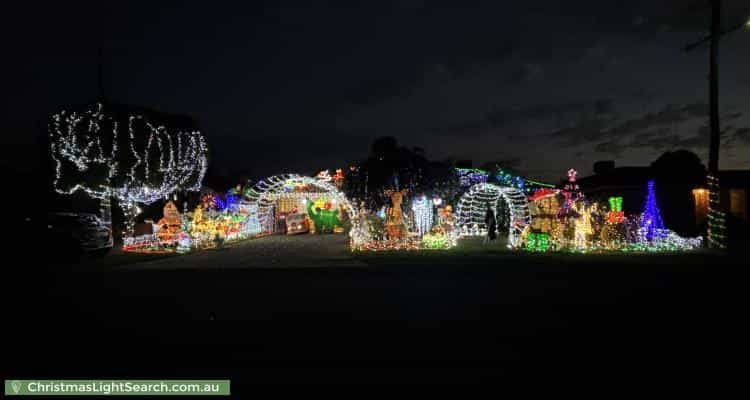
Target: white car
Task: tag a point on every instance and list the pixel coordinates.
(84, 230)
(296, 223)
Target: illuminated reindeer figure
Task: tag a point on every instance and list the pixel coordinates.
(582, 225)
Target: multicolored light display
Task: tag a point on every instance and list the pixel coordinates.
(472, 176)
(292, 186)
(569, 221)
(615, 215)
(581, 225)
(94, 154)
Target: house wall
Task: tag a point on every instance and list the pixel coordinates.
(735, 202)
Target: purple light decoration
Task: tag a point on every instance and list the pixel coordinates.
(230, 203)
(651, 217)
(469, 177)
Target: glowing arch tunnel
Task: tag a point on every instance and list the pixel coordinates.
(267, 193)
(472, 208)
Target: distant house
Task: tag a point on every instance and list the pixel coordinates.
(735, 185)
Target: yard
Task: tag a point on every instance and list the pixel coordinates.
(304, 308)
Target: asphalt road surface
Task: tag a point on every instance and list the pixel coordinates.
(305, 309)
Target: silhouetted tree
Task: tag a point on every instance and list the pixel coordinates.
(679, 167)
(676, 174)
(390, 166)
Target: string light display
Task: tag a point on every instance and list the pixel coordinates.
(544, 206)
(434, 241)
(251, 224)
(472, 209)
(267, 192)
(373, 232)
(582, 229)
(571, 193)
(538, 241)
(148, 243)
(615, 215)
(468, 177)
(362, 230)
(540, 194)
(132, 160)
(395, 223)
(472, 176)
(409, 244)
(324, 176)
(214, 222)
(651, 222)
(581, 225)
(525, 185)
(423, 216)
(339, 178)
(716, 217)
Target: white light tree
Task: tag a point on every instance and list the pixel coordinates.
(124, 156)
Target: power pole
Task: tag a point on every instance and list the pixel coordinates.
(716, 217)
(713, 150)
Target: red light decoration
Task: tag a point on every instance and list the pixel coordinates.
(542, 193)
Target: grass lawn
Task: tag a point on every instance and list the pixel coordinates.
(472, 251)
(325, 314)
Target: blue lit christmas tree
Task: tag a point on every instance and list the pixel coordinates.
(651, 221)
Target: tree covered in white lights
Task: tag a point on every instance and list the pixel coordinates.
(131, 157)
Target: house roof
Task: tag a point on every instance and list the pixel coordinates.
(621, 176)
(633, 176)
(735, 178)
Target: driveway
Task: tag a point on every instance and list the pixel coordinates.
(299, 251)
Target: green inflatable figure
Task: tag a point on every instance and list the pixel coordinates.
(324, 220)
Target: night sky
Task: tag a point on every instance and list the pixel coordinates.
(540, 85)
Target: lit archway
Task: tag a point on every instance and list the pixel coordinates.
(268, 191)
(472, 208)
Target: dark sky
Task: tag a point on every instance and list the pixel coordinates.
(542, 85)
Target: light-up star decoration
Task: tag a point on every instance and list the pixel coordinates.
(572, 175)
